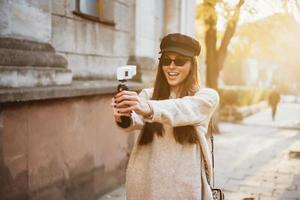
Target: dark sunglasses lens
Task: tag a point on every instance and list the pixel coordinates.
(177, 61)
(166, 61)
(180, 62)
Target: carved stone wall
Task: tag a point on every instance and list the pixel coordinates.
(27, 59)
(25, 63)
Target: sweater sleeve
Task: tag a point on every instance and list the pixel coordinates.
(188, 110)
(137, 121)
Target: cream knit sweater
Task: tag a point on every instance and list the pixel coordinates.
(165, 169)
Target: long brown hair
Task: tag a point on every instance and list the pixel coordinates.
(182, 134)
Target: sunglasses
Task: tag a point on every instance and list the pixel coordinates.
(177, 61)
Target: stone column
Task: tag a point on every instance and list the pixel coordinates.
(187, 17)
(27, 58)
(172, 16)
(180, 16)
(144, 39)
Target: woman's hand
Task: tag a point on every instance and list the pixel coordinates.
(117, 114)
(128, 101)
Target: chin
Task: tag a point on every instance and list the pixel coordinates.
(173, 84)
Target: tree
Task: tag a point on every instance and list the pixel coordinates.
(215, 57)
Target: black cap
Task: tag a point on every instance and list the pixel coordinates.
(179, 43)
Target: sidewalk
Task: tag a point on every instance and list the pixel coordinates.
(260, 166)
(253, 161)
(252, 158)
(287, 116)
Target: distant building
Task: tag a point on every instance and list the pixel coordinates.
(57, 77)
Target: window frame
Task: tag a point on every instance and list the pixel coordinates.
(79, 13)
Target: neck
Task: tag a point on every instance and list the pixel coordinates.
(175, 90)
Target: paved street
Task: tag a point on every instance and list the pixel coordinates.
(252, 157)
(287, 116)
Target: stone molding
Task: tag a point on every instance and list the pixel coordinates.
(18, 52)
(16, 57)
(15, 77)
(22, 44)
(25, 63)
(76, 89)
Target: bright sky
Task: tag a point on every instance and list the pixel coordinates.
(260, 9)
(253, 10)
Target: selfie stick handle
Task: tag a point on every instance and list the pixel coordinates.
(125, 121)
(122, 86)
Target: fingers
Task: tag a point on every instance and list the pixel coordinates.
(116, 112)
(113, 103)
(125, 103)
(126, 97)
(128, 92)
(126, 106)
(119, 114)
(125, 92)
(126, 110)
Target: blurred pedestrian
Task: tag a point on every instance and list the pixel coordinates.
(274, 99)
(171, 157)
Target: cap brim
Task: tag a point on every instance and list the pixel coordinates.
(177, 50)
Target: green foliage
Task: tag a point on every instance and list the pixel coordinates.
(241, 96)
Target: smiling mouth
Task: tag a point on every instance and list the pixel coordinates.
(173, 74)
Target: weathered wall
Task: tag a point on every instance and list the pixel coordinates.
(61, 149)
(93, 50)
(68, 147)
(26, 19)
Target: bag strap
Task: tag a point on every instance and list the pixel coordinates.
(210, 133)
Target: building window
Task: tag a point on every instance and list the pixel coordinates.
(95, 10)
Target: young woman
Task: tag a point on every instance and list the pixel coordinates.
(171, 158)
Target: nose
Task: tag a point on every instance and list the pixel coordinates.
(172, 65)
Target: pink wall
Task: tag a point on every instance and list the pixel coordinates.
(61, 149)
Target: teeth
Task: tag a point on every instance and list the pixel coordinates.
(173, 73)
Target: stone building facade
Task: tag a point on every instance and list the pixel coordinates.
(58, 67)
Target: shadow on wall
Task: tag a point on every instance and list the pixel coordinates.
(60, 149)
(11, 187)
(88, 185)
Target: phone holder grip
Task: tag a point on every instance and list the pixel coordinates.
(122, 87)
(125, 121)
